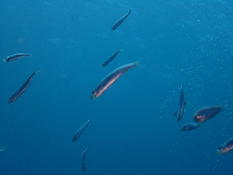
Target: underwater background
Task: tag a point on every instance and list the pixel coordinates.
(185, 43)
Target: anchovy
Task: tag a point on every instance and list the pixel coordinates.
(121, 20)
(226, 147)
(15, 57)
(207, 113)
(80, 131)
(83, 159)
(111, 58)
(110, 79)
(182, 103)
(190, 126)
(22, 89)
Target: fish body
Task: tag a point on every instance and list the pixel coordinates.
(110, 79)
(207, 113)
(15, 57)
(22, 89)
(190, 126)
(83, 159)
(226, 147)
(111, 58)
(121, 20)
(182, 103)
(2, 149)
(80, 131)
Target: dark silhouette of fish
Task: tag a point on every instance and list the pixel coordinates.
(83, 160)
(121, 20)
(80, 131)
(190, 126)
(22, 89)
(226, 147)
(110, 79)
(182, 103)
(111, 58)
(15, 57)
(207, 113)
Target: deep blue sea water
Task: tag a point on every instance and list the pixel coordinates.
(133, 131)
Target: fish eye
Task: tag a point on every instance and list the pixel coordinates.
(220, 148)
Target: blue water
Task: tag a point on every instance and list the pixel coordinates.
(133, 131)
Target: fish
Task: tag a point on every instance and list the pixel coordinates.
(15, 57)
(207, 113)
(190, 126)
(121, 20)
(22, 89)
(80, 131)
(110, 79)
(225, 147)
(83, 159)
(182, 103)
(111, 58)
(3, 148)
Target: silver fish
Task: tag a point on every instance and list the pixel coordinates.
(83, 159)
(207, 113)
(121, 20)
(182, 103)
(15, 57)
(190, 126)
(110, 79)
(111, 58)
(226, 147)
(80, 131)
(22, 89)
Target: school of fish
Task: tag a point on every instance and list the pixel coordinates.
(199, 117)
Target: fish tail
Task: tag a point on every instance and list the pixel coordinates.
(4, 60)
(175, 114)
(74, 139)
(129, 12)
(93, 96)
(38, 71)
(226, 104)
(136, 63)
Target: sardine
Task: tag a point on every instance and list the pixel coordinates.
(121, 20)
(190, 126)
(182, 103)
(15, 57)
(226, 147)
(111, 58)
(110, 79)
(207, 113)
(22, 89)
(80, 131)
(83, 159)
